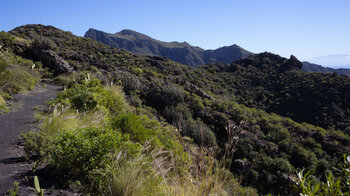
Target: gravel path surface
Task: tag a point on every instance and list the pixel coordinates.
(20, 119)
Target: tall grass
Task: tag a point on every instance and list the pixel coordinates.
(16, 75)
(2, 103)
(40, 143)
(204, 175)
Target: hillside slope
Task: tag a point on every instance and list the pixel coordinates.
(259, 98)
(180, 52)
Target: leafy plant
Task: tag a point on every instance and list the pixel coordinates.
(14, 190)
(307, 185)
(79, 152)
(134, 125)
(38, 190)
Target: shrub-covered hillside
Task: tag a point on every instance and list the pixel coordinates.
(272, 83)
(205, 102)
(16, 73)
(92, 138)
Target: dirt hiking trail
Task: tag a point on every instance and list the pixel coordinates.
(13, 166)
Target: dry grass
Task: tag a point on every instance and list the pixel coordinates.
(204, 175)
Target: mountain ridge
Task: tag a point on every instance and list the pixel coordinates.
(181, 52)
(312, 67)
(185, 53)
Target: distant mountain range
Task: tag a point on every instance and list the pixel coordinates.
(310, 67)
(181, 52)
(338, 60)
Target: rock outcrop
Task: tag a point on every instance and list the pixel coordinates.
(50, 59)
(291, 64)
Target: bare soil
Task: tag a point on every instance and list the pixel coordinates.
(13, 164)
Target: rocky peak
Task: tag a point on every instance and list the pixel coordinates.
(291, 63)
(128, 32)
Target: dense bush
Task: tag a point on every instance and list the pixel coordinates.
(79, 152)
(277, 132)
(334, 184)
(43, 42)
(16, 74)
(87, 95)
(130, 82)
(134, 125)
(174, 93)
(181, 117)
(6, 40)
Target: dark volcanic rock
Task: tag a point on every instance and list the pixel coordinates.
(88, 59)
(52, 60)
(292, 63)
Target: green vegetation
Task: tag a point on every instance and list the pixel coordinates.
(14, 190)
(16, 73)
(307, 185)
(102, 144)
(268, 100)
(2, 103)
(38, 190)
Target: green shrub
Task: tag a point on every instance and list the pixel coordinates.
(19, 79)
(173, 93)
(6, 39)
(200, 132)
(337, 184)
(36, 143)
(276, 132)
(281, 164)
(43, 43)
(3, 66)
(16, 74)
(136, 127)
(138, 71)
(65, 80)
(81, 97)
(79, 152)
(181, 117)
(301, 157)
(40, 143)
(130, 82)
(112, 99)
(88, 95)
(322, 165)
(197, 103)
(310, 142)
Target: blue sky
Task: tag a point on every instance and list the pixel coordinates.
(306, 28)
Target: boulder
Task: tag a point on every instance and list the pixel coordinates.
(50, 59)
